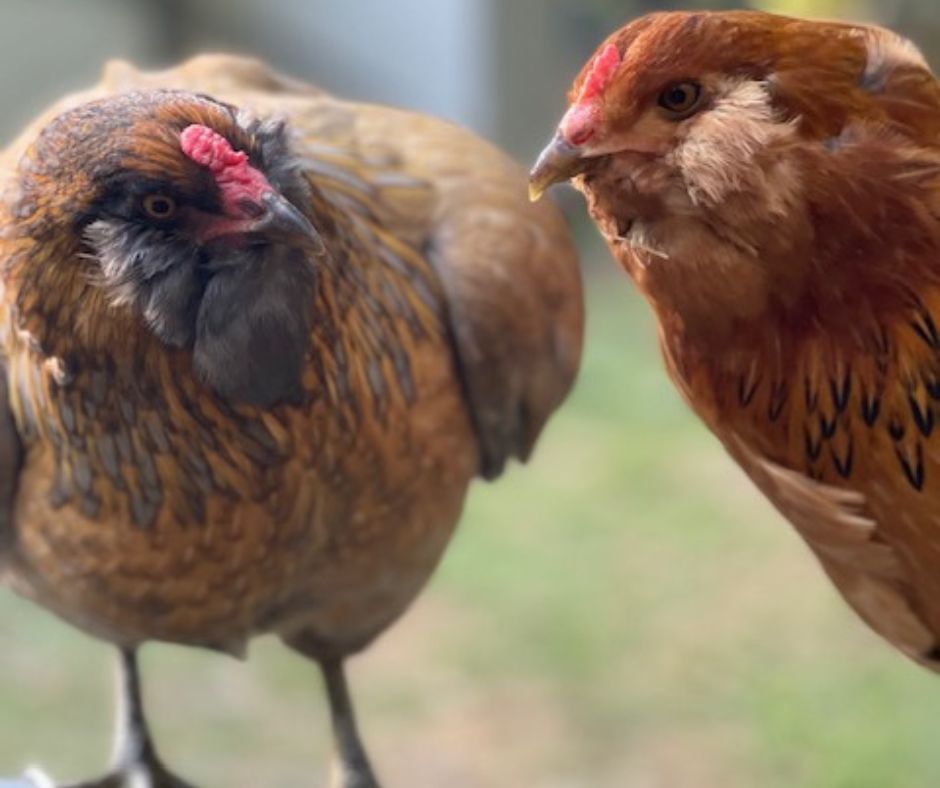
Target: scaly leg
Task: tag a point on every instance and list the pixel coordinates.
(350, 768)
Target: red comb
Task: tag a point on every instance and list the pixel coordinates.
(238, 181)
(602, 71)
(210, 149)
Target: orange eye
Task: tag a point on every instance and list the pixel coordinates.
(681, 99)
(159, 206)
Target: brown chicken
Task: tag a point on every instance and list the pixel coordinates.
(772, 186)
(257, 343)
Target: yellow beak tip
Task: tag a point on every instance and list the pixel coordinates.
(535, 192)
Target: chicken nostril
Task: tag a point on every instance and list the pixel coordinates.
(250, 209)
(581, 136)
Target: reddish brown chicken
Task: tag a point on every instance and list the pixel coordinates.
(772, 186)
(257, 342)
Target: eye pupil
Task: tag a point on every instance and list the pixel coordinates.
(681, 97)
(159, 206)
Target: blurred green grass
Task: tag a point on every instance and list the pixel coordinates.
(624, 611)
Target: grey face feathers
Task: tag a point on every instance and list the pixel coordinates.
(157, 272)
(253, 326)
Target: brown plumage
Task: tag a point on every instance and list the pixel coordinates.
(250, 399)
(772, 186)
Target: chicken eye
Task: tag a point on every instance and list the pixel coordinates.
(159, 206)
(681, 99)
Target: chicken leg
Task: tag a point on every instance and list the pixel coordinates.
(135, 760)
(350, 768)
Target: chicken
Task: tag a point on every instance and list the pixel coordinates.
(772, 187)
(256, 343)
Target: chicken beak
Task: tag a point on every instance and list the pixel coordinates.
(281, 220)
(558, 162)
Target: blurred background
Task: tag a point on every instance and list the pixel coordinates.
(625, 612)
